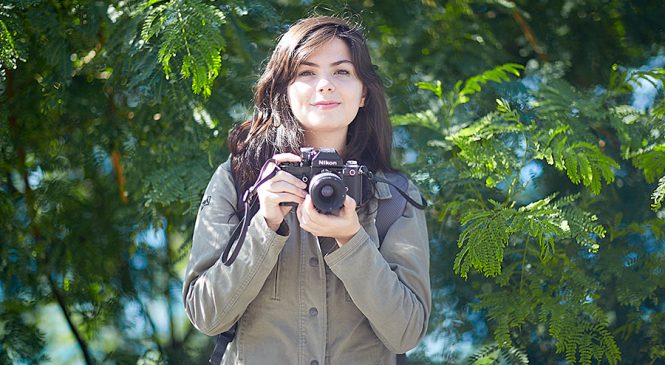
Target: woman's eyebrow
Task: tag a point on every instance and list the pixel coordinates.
(336, 63)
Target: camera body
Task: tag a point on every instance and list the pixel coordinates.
(328, 178)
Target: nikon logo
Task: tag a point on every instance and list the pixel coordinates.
(327, 163)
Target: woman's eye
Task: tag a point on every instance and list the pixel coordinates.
(305, 73)
(343, 72)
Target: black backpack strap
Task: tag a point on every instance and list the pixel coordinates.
(222, 341)
(390, 209)
(401, 359)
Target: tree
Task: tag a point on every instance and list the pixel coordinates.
(551, 184)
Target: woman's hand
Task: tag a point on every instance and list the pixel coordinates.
(341, 227)
(281, 188)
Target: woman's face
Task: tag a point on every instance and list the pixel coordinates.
(326, 93)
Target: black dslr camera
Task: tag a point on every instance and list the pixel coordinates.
(328, 178)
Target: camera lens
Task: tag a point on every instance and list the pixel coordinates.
(328, 192)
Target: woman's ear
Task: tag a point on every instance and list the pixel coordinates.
(362, 98)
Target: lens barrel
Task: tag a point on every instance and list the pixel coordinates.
(328, 192)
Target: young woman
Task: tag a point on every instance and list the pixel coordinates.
(307, 287)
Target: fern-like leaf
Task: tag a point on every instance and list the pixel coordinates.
(483, 148)
(658, 110)
(498, 74)
(483, 241)
(583, 162)
(22, 342)
(651, 161)
(457, 96)
(542, 221)
(507, 310)
(658, 195)
(493, 354)
(431, 86)
(189, 29)
(8, 54)
(624, 81)
(579, 338)
(426, 119)
(579, 224)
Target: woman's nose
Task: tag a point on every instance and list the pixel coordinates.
(325, 84)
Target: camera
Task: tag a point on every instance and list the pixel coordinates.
(328, 178)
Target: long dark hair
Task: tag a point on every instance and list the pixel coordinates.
(273, 128)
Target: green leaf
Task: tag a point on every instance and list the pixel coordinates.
(651, 161)
(426, 119)
(482, 242)
(658, 195)
(433, 87)
(189, 30)
(498, 74)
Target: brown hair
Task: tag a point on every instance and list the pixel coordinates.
(273, 128)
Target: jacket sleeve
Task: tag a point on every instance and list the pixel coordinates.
(391, 286)
(216, 295)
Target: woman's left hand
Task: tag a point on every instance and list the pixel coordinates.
(342, 227)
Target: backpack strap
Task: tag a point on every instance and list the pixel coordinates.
(373, 178)
(401, 359)
(390, 209)
(222, 341)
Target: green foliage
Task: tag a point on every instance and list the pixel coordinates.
(487, 232)
(483, 241)
(495, 355)
(114, 115)
(460, 94)
(659, 194)
(189, 28)
(100, 155)
(481, 146)
(22, 342)
(581, 339)
(651, 161)
(582, 161)
(8, 53)
(527, 245)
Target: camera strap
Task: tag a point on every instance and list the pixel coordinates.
(373, 178)
(251, 208)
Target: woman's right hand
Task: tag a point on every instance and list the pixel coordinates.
(281, 188)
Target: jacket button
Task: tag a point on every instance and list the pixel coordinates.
(314, 362)
(314, 262)
(313, 312)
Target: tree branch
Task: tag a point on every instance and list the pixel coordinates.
(529, 35)
(77, 335)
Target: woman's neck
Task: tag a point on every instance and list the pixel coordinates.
(326, 140)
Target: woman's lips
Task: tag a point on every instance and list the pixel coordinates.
(326, 105)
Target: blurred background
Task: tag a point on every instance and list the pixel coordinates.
(535, 129)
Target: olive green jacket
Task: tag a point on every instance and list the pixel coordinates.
(298, 299)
